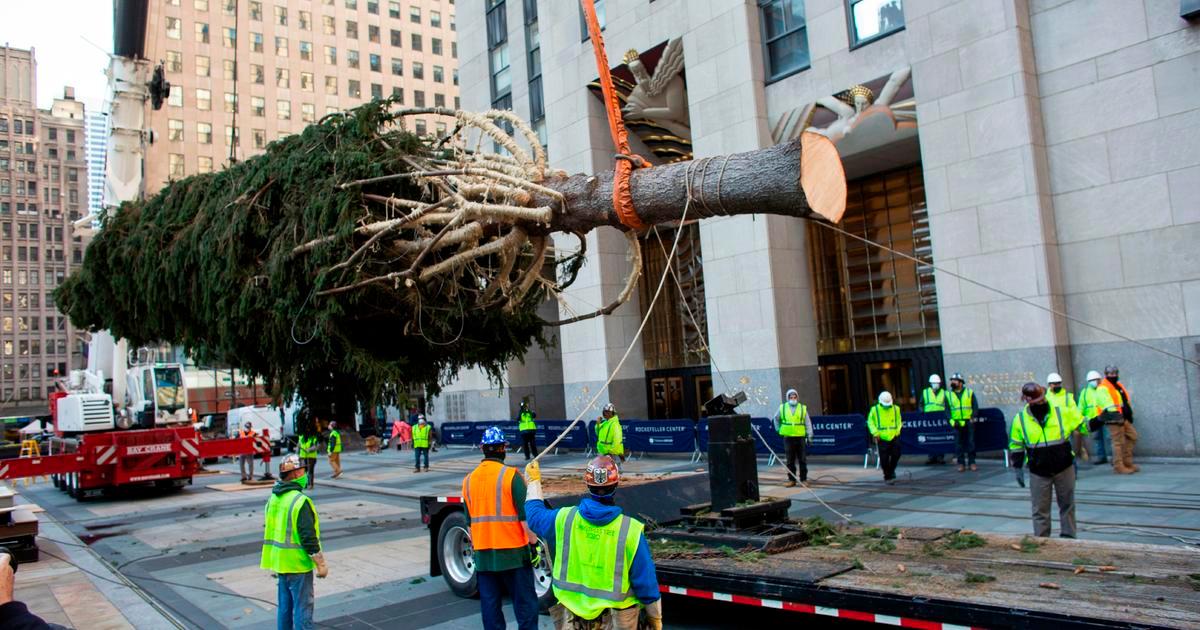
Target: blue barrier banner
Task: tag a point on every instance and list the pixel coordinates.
(926, 433)
(839, 435)
(459, 433)
(992, 433)
(660, 436)
(931, 433)
(549, 429)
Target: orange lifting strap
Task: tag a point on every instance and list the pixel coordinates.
(625, 162)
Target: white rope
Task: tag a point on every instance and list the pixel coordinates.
(803, 484)
(637, 337)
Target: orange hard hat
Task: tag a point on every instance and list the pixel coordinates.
(601, 472)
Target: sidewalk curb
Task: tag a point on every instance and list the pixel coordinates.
(138, 607)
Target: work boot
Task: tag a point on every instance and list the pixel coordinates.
(1120, 469)
(789, 484)
(961, 468)
(417, 469)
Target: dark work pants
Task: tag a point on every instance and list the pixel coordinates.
(889, 457)
(529, 443)
(964, 443)
(796, 458)
(518, 583)
(310, 465)
(422, 451)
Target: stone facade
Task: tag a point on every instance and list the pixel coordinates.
(1060, 146)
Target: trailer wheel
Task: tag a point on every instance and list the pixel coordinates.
(542, 571)
(56, 481)
(72, 491)
(456, 556)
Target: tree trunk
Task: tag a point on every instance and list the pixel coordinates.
(797, 178)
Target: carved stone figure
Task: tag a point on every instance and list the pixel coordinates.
(662, 98)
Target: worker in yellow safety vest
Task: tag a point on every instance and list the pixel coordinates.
(334, 450)
(1093, 402)
(602, 574)
(291, 546)
(964, 406)
(306, 443)
(1041, 436)
(793, 424)
(528, 429)
(933, 400)
(420, 434)
(609, 438)
(883, 421)
(1059, 396)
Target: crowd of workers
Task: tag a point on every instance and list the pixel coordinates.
(602, 571)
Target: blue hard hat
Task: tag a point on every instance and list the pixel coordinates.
(492, 435)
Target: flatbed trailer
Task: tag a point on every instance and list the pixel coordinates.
(95, 462)
(921, 581)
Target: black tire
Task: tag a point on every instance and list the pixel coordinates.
(455, 557)
(56, 481)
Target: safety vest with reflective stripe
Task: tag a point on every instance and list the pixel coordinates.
(609, 438)
(932, 401)
(791, 422)
(884, 422)
(526, 423)
(421, 436)
(1063, 398)
(592, 562)
(282, 552)
(961, 407)
(308, 447)
(1109, 399)
(1027, 433)
(1090, 404)
(487, 493)
(245, 433)
(335, 442)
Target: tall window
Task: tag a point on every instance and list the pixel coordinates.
(174, 171)
(255, 10)
(785, 37)
(306, 51)
(416, 42)
(258, 106)
(256, 42)
(397, 38)
(331, 55)
(874, 19)
(373, 33)
(204, 164)
(328, 25)
(203, 99)
(398, 67)
(229, 37)
(229, 70)
(376, 63)
(307, 112)
(204, 133)
(174, 28)
(281, 16)
(533, 44)
(283, 78)
(174, 132)
(394, 10)
(201, 33)
(283, 110)
(305, 21)
(418, 70)
(174, 62)
(203, 64)
(231, 103)
(257, 76)
(497, 33)
(867, 299)
(281, 47)
(306, 81)
(352, 58)
(354, 88)
(414, 15)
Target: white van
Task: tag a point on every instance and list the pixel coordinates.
(260, 417)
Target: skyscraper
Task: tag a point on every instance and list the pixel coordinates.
(43, 187)
(244, 73)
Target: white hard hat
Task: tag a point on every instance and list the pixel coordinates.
(885, 398)
(1054, 377)
(1094, 376)
(935, 379)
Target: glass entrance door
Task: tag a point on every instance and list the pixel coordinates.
(895, 377)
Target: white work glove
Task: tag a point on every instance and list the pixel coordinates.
(533, 478)
(654, 613)
(322, 568)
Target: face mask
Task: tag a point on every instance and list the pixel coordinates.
(793, 402)
(1093, 384)
(935, 386)
(1112, 379)
(886, 404)
(1040, 409)
(1056, 388)
(302, 480)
